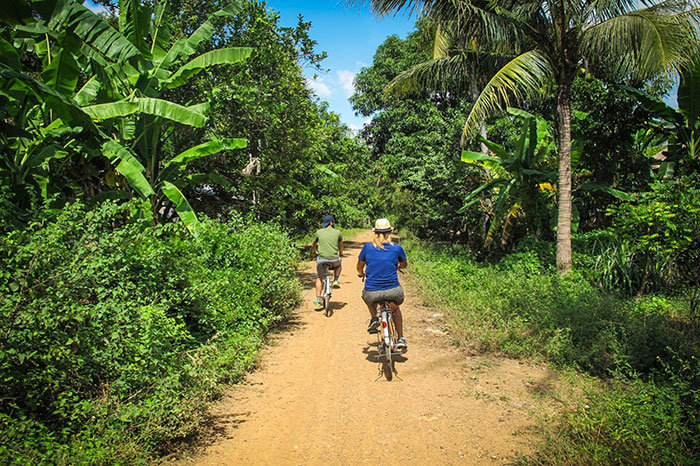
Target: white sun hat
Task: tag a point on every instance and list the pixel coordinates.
(382, 225)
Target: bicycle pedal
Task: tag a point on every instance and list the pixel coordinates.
(373, 332)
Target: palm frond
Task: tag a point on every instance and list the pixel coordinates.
(647, 42)
(523, 77)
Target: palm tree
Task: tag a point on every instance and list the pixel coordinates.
(553, 41)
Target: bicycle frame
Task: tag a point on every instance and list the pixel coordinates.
(327, 291)
(386, 339)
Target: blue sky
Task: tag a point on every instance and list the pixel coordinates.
(350, 36)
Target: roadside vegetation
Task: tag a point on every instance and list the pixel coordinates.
(163, 164)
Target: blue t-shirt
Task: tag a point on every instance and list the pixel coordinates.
(381, 265)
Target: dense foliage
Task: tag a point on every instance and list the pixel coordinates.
(115, 333)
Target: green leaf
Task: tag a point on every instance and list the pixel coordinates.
(520, 112)
(63, 106)
(9, 56)
(171, 111)
(207, 60)
(62, 73)
(206, 149)
(88, 92)
(592, 186)
(134, 21)
(160, 31)
(182, 207)
(472, 157)
(93, 30)
(129, 167)
(111, 110)
(689, 97)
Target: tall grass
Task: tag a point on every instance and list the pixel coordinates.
(641, 350)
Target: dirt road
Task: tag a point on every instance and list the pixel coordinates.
(318, 397)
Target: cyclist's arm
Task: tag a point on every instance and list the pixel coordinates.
(341, 247)
(361, 268)
(314, 247)
(402, 265)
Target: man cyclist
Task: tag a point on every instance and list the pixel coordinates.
(328, 247)
(382, 260)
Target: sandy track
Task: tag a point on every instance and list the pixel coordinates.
(318, 397)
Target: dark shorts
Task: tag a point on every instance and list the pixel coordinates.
(392, 294)
(321, 269)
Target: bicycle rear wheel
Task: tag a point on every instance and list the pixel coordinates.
(327, 296)
(387, 363)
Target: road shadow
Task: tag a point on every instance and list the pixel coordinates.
(353, 244)
(371, 352)
(290, 324)
(334, 306)
(308, 277)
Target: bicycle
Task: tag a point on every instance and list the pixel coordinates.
(386, 339)
(327, 290)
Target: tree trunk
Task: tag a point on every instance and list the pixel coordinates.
(564, 213)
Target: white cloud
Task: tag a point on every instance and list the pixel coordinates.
(319, 87)
(346, 80)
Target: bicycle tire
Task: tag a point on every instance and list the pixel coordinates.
(327, 295)
(388, 363)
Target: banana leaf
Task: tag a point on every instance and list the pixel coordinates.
(129, 167)
(472, 198)
(160, 31)
(472, 157)
(206, 149)
(111, 110)
(62, 73)
(171, 111)
(592, 186)
(9, 56)
(88, 92)
(182, 207)
(93, 30)
(134, 22)
(214, 57)
(64, 107)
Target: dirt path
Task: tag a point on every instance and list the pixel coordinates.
(318, 399)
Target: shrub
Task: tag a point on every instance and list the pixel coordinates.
(116, 332)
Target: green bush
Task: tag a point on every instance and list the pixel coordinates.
(630, 420)
(115, 332)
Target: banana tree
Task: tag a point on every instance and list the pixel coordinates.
(125, 75)
(681, 126)
(515, 181)
(140, 122)
(39, 121)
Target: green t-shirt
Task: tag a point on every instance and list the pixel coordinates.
(328, 239)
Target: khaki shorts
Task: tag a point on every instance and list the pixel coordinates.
(392, 294)
(321, 269)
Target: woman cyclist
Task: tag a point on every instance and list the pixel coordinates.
(379, 262)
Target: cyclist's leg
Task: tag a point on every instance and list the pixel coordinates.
(337, 271)
(321, 272)
(398, 318)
